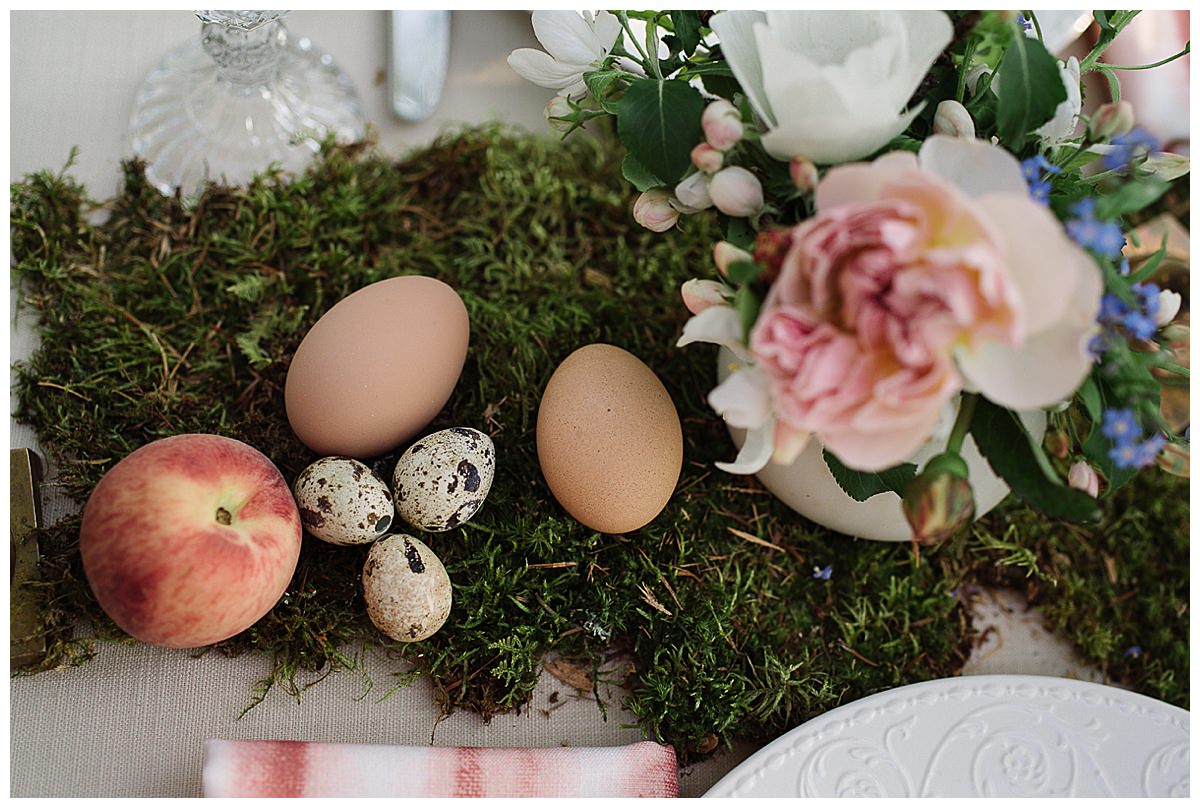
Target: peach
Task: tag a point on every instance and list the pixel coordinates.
(190, 540)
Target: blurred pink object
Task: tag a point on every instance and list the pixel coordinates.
(310, 769)
(1159, 95)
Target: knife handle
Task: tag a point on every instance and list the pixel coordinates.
(418, 59)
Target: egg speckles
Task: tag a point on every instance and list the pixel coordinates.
(342, 501)
(406, 588)
(441, 481)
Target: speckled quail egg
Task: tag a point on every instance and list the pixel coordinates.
(441, 481)
(406, 587)
(342, 501)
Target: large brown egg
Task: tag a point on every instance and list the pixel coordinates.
(377, 367)
(608, 439)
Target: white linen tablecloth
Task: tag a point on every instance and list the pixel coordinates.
(133, 721)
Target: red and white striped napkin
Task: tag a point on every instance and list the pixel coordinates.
(310, 769)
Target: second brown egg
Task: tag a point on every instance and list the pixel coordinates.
(608, 439)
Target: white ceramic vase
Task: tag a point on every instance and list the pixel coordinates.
(807, 486)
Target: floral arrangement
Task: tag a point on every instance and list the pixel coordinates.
(923, 239)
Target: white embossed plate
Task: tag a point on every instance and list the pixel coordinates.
(978, 736)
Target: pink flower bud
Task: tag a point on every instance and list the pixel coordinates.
(736, 192)
(1112, 120)
(725, 254)
(804, 173)
(692, 193)
(1168, 306)
(707, 159)
(722, 124)
(1084, 477)
(1058, 443)
(952, 118)
(698, 295)
(653, 210)
(557, 111)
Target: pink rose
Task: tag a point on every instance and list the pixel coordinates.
(915, 280)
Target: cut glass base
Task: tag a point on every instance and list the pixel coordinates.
(190, 124)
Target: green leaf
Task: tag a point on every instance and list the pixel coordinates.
(600, 86)
(902, 143)
(1030, 89)
(747, 304)
(740, 233)
(1089, 394)
(1130, 198)
(1097, 446)
(1013, 455)
(741, 272)
(717, 77)
(1114, 84)
(1096, 449)
(640, 176)
(1166, 166)
(709, 69)
(862, 485)
(1151, 264)
(659, 123)
(1082, 159)
(687, 28)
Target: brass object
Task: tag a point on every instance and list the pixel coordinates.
(26, 645)
(1173, 274)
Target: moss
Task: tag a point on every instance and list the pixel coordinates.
(170, 318)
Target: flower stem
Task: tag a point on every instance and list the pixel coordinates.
(961, 90)
(1106, 38)
(966, 409)
(1186, 50)
(651, 49)
(623, 18)
(1083, 146)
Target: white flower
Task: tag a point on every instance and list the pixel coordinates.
(736, 192)
(831, 85)
(692, 193)
(1066, 115)
(1168, 306)
(576, 42)
(744, 398)
(952, 118)
(653, 210)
